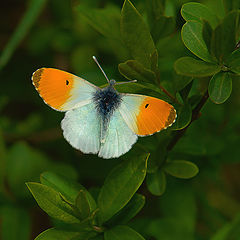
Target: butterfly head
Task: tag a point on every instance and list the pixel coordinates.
(112, 82)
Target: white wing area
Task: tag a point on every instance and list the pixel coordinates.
(81, 128)
(119, 138)
(81, 93)
(129, 109)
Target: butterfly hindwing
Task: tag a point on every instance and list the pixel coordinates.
(146, 115)
(119, 138)
(81, 128)
(62, 90)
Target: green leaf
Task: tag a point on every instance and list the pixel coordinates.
(52, 203)
(31, 14)
(189, 66)
(198, 12)
(136, 34)
(155, 9)
(163, 27)
(82, 204)
(120, 185)
(181, 169)
(224, 36)
(57, 234)
(233, 62)
(67, 187)
(142, 88)
(15, 223)
(207, 34)
(220, 87)
(156, 183)
(122, 232)
(184, 115)
(104, 20)
(129, 211)
(193, 40)
(53, 234)
(132, 70)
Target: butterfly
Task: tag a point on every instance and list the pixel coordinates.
(101, 120)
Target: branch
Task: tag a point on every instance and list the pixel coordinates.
(195, 115)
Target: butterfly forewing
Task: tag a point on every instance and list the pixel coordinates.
(146, 115)
(62, 90)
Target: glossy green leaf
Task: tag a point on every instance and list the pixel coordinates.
(122, 232)
(141, 88)
(34, 9)
(57, 234)
(15, 223)
(193, 40)
(198, 12)
(220, 87)
(129, 211)
(132, 70)
(189, 66)
(233, 62)
(181, 169)
(156, 182)
(184, 115)
(104, 20)
(53, 234)
(136, 34)
(52, 203)
(120, 185)
(224, 36)
(68, 188)
(207, 34)
(82, 204)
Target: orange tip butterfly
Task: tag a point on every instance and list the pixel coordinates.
(101, 121)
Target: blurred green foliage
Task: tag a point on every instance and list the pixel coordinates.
(186, 53)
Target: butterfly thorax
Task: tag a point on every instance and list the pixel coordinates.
(107, 100)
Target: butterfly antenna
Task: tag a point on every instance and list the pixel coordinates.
(96, 61)
(132, 81)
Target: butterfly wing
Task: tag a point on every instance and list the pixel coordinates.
(81, 128)
(146, 115)
(62, 90)
(119, 138)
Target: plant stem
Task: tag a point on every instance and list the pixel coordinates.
(195, 115)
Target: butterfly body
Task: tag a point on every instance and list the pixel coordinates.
(101, 121)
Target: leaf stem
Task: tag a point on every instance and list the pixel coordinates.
(195, 115)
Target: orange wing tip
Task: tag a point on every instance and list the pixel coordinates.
(36, 77)
(171, 118)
